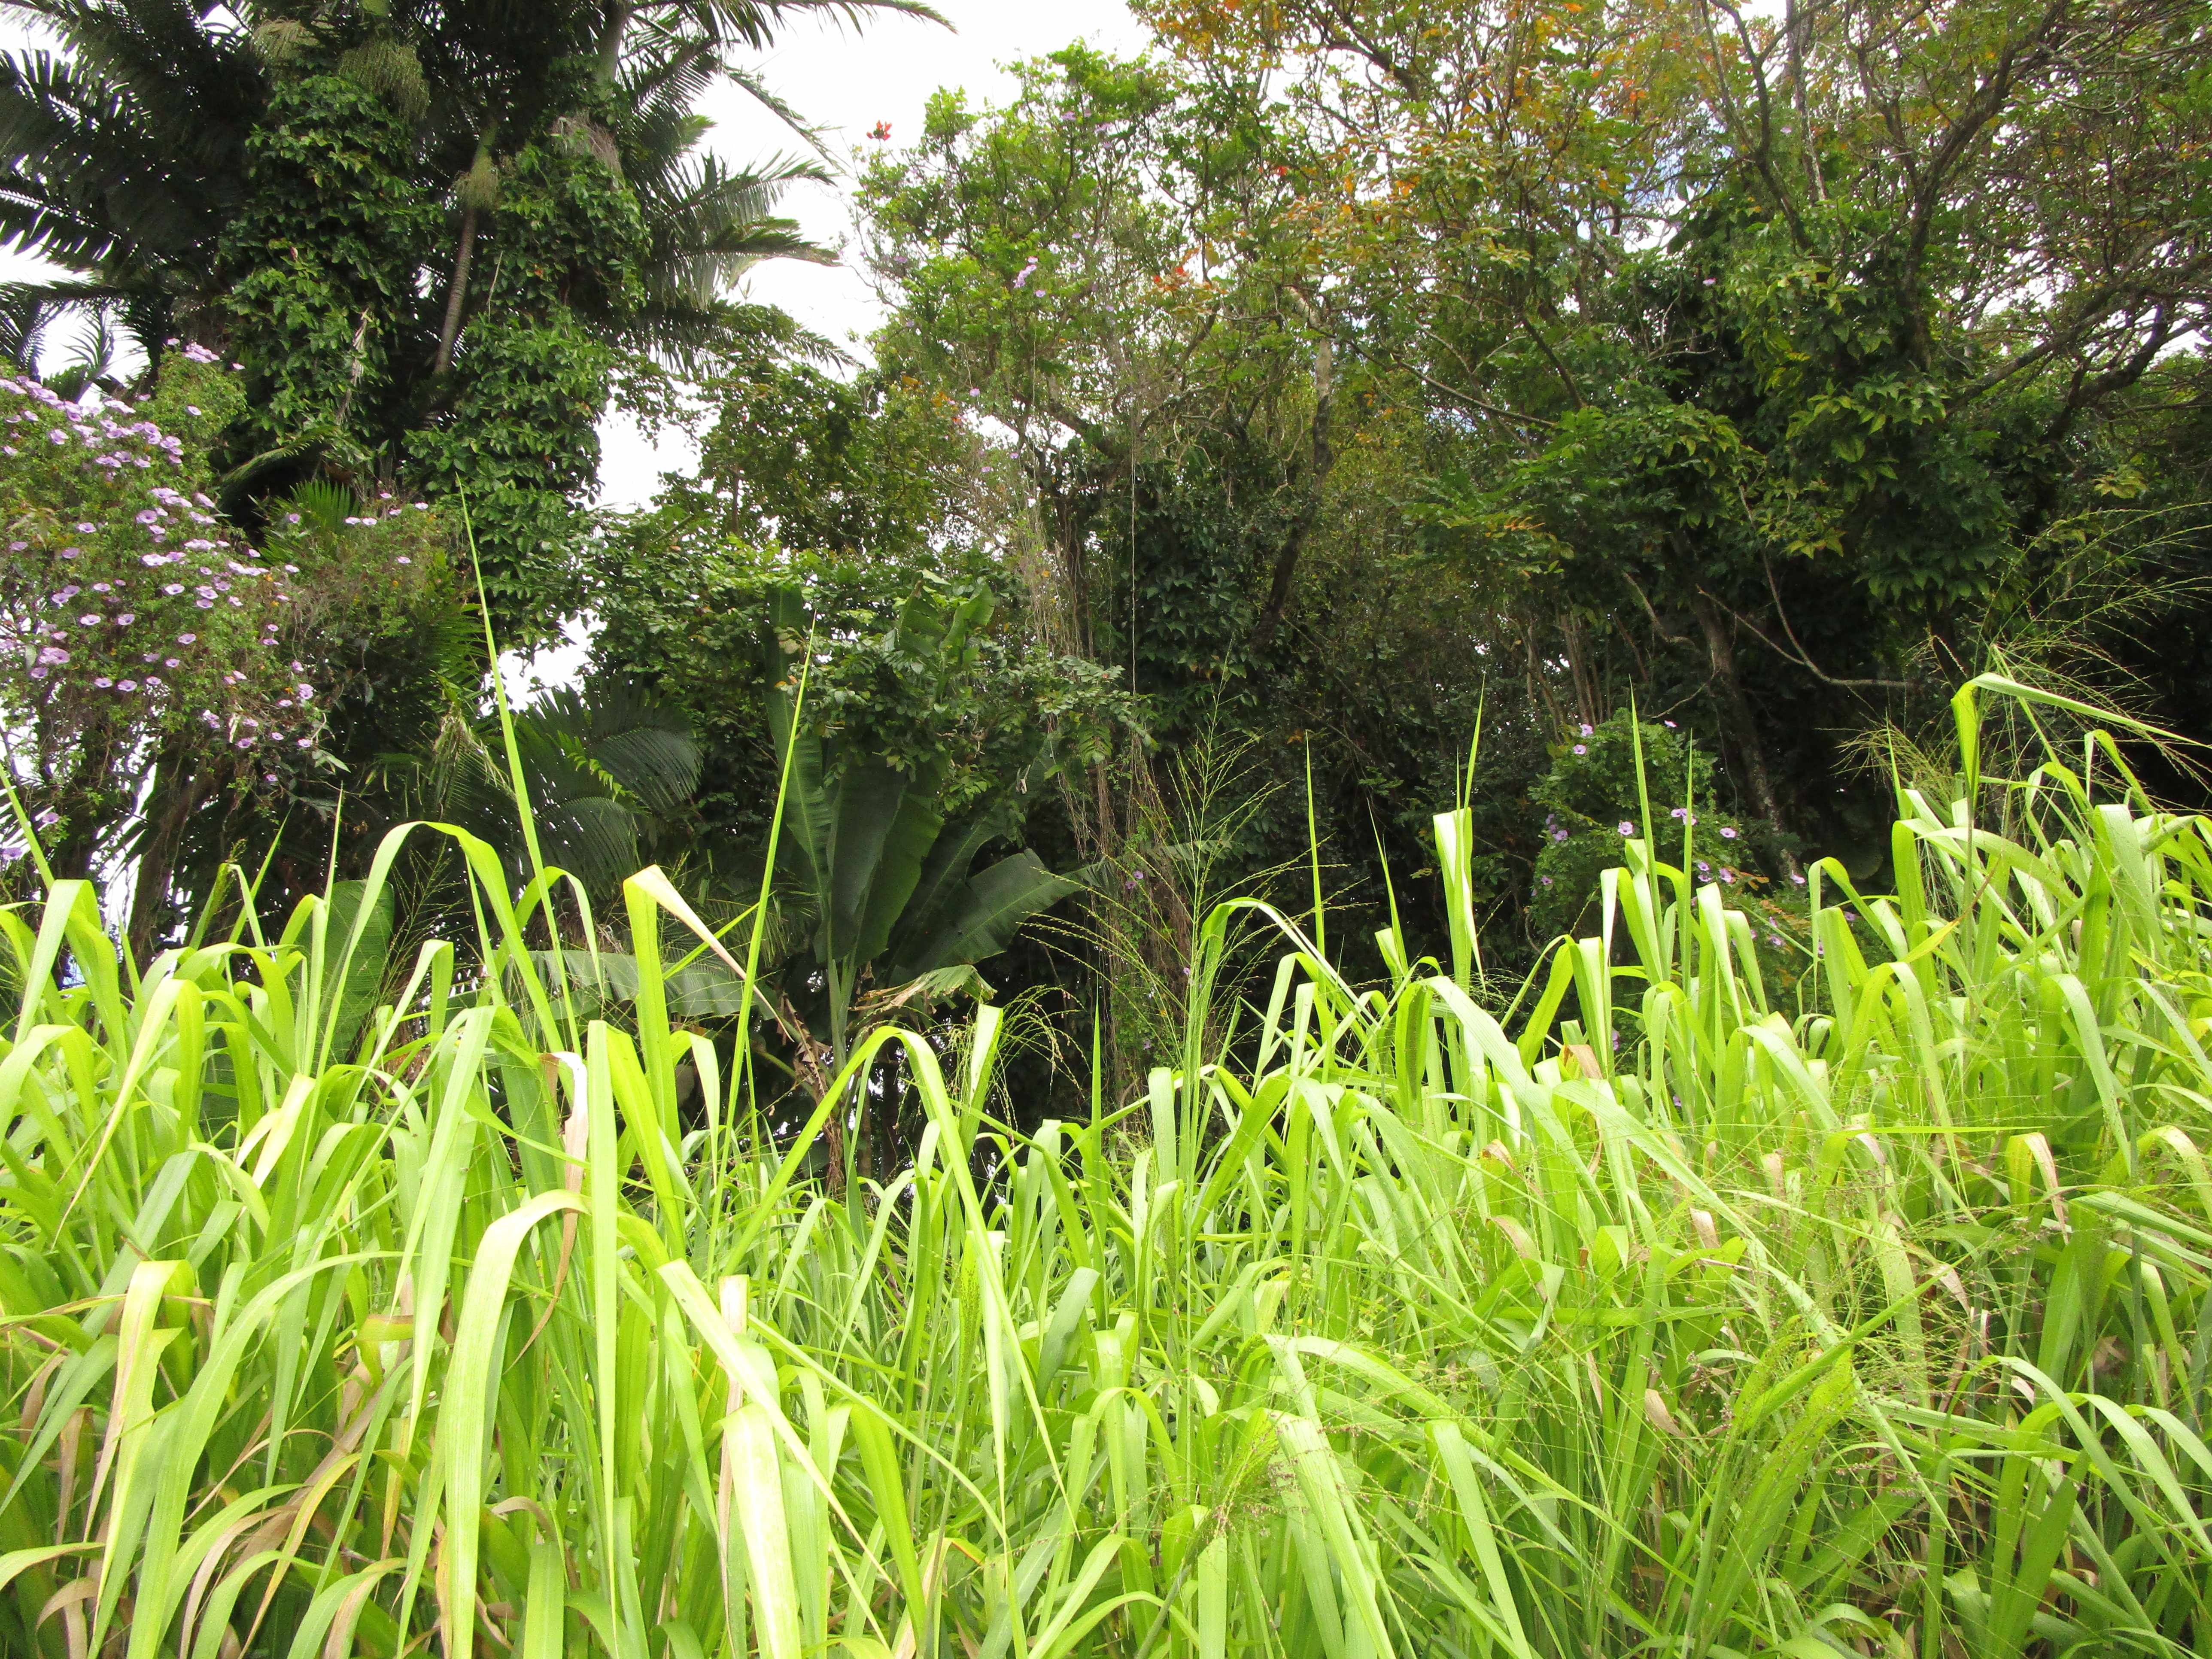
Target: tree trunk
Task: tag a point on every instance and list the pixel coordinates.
(1322, 461)
(1743, 726)
(610, 42)
(1797, 32)
(459, 292)
(176, 796)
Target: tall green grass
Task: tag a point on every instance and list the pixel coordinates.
(1865, 1316)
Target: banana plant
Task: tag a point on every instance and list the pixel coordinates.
(891, 878)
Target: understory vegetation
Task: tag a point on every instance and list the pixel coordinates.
(1272, 930)
(1671, 1304)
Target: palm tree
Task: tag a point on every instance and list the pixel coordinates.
(125, 155)
(339, 193)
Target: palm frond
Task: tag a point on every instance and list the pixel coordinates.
(753, 23)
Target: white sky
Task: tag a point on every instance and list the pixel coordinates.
(843, 81)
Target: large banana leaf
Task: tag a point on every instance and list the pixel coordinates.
(886, 822)
(706, 990)
(983, 917)
(943, 884)
(893, 886)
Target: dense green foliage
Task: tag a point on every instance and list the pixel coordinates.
(1512, 478)
(1337, 378)
(442, 237)
(351, 1304)
(164, 669)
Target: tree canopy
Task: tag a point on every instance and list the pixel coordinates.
(1345, 412)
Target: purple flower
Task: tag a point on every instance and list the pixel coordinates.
(103, 681)
(1586, 729)
(1670, 725)
(1728, 832)
(1797, 881)
(126, 686)
(188, 639)
(90, 619)
(88, 529)
(18, 547)
(404, 559)
(1727, 874)
(173, 588)
(124, 619)
(1582, 749)
(1626, 828)
(1546, 880)
(47, 819)
(172, 662)
(150, 516)
(1559, 836)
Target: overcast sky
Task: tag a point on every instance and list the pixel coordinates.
(844, 81)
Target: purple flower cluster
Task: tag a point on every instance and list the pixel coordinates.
(136, 444)
(129, 609)
(108, 562)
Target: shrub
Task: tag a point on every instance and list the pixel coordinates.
(138, 624)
